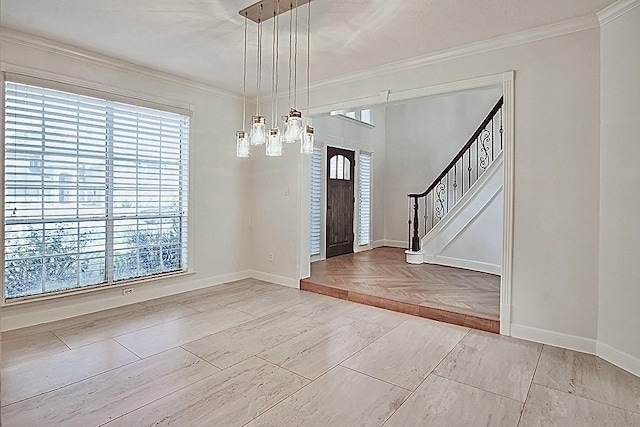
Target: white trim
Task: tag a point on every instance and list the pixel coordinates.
(508, 120)
(515, 39)
(437, 89)
(616, 10)
(346, 144)
(28, 40)
(468, 264)
(60, 81)
(507, 79)
(395, 243)
(377, 244)
(274, 278)
(621, 359)
(449, 87)
(77, 305)
(558, 339)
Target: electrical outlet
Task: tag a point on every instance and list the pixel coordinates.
(127, 291)
(270, 256)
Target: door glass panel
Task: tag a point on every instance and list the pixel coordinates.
(333, 167)
(347, 169)
(340, 166)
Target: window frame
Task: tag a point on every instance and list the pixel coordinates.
(25, 75)
(364, 246)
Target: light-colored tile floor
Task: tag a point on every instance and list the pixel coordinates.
(252, 353)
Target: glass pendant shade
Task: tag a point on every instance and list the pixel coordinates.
(274, 143)
(285, 128)
(294, 127)
(258, 130)
(242, 144)
(307, 141)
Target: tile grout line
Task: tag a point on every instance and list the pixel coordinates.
(201, 358)
(589, 399)
(449, 352)
(83, 379)
(282, 367)
(478, 388)
(376, 378)
(61, 340)
(161, 397)
(526, 397)
(285, 398)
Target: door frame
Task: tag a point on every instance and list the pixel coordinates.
(354, 183)
(507, 80)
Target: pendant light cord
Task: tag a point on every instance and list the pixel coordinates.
(295, 63)
(308, 55)
(290, 49)
(244, 74)
(259, 74)
(277, 26)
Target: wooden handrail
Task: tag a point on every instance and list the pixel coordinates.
(466, 146)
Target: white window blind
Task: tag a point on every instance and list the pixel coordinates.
(364, 198)
(316, 195)
(95, 191)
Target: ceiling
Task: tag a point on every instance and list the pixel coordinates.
(202, 39)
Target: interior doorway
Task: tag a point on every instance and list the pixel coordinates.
(340, 201)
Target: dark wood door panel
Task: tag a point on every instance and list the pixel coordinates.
(340, 201)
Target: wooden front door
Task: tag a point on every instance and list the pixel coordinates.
(340, 201)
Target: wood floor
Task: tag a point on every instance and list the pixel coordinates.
(252, 354)
(381, 277)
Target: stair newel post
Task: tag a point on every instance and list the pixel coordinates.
(409, 211)
(415, 241)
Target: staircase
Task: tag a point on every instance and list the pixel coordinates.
(451, 217)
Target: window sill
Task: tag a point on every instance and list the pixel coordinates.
(117, 285)
(354, 121)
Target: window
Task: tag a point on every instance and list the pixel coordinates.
(340, 168)
(365, 116)
(364, 198)
(96, 191)
(316, 195)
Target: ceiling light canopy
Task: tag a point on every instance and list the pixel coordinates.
(293, 128)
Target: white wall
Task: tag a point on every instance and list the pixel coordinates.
(220, 186)
(421, 137)
(619, 287)
(555, 264)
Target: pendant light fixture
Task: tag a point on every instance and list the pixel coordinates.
(293, 129)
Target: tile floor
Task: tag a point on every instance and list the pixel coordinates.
(251, 353)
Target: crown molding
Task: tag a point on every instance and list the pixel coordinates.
(616, 10)
(40, 43)
(510, 40)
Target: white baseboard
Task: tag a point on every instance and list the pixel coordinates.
(623, 360)
(273, 278)
(395, 243)
(558, 339)
(467, 263)
(38, 312)
(377, 243)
